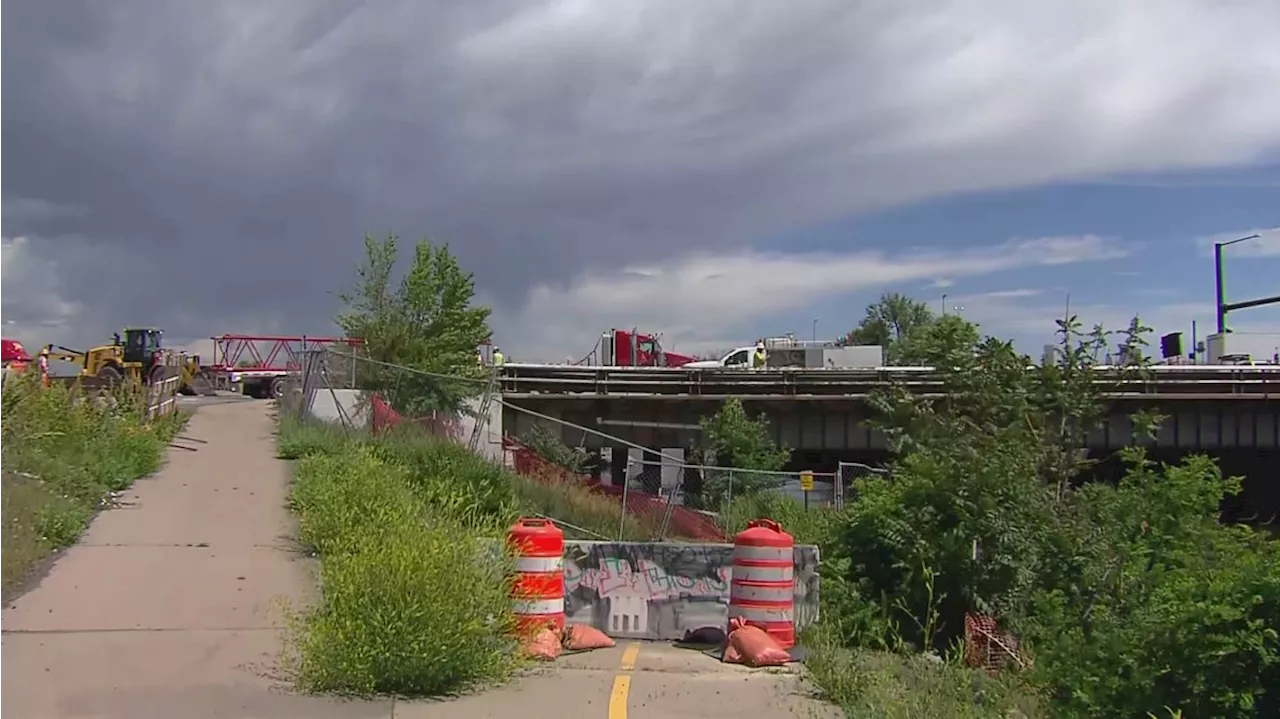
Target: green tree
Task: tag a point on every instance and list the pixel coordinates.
(425, 322)
(742, 442)
(889, 322)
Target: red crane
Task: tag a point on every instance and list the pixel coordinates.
(267, 353)
(260, 363)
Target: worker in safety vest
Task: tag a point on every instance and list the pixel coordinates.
(43, 362)
(498, 359)
(757, 359)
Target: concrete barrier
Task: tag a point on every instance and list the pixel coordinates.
(662, 590)
(333, 406)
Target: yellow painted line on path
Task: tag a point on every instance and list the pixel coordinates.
(622, 682)
(629, 656)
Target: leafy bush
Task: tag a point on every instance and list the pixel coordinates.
(63, 452)
(738, 440)
(1127, 598)
(415, 598)
(544, 443)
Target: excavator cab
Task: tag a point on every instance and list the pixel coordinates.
(141, 345)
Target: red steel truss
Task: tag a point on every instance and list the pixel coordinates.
(267, 353)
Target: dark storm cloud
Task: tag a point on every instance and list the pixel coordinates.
(220, 161)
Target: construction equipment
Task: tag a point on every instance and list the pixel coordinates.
(135, 355)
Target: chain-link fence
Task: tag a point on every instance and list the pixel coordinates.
(849, 472)
(320, 390)
(710, 486)
(665, 495)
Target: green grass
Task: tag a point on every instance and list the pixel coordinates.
(63, 452)
(889, 685)
(415, 600)
(490, 488)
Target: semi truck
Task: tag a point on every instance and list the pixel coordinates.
(629, 348)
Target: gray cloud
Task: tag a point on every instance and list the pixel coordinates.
(220, 161)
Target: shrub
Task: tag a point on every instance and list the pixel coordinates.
(1128, 599)
(414, 601)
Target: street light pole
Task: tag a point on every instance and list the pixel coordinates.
(1222, 306)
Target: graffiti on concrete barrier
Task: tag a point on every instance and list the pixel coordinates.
(661, 591)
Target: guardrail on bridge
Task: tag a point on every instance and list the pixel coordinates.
(1181, 382)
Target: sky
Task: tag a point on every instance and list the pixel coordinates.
(713, 171)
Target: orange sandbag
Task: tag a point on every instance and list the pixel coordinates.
(754, 647)
(581, 637)
(545, 644)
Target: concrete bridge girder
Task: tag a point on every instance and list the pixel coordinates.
(840, 425)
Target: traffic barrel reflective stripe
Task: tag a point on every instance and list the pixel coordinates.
(537, 593)
(762, 589)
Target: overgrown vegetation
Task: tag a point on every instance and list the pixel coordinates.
(414, 599)
(544, 443)
(1127, 599)
(63, 453)
(415, 595)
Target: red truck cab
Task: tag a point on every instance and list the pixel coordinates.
(13, 356)
(628, 348)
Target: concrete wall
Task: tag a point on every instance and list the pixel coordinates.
(661, 590)
(325, 404)
(354, 403)
(491, 440)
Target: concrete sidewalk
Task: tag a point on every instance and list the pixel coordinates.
(170, 607)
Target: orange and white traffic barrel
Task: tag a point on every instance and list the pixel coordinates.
(538, 591)
(762, 591)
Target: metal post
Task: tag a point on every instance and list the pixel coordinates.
(1222, 300)
(1223, 307)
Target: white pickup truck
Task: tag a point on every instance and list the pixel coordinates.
(808, 355)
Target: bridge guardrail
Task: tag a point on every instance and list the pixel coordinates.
(1249, 382)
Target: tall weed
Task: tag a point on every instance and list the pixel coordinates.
(415, 599)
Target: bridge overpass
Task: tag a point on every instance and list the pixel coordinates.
(824, 410)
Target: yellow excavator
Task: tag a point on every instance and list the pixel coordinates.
(136, 355)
